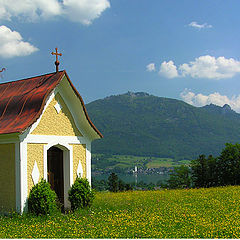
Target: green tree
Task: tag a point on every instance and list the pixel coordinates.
(151, 186)
(128, 187)
(229, 165)
(121, 185)
(199, 171)
(99, 185)
(179, 177)
(204, 171)
(113, 183)
(212, 172)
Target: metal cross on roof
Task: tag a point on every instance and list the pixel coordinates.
(56, 62)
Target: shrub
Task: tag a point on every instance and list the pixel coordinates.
(80, 194)
(42, 199)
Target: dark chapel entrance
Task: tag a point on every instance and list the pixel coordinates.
(55, 171)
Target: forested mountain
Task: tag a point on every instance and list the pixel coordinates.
(145, 125)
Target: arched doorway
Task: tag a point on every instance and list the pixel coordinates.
(55, 172)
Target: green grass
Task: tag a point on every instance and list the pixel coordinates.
(184, 162)
(194, 213)
(129, 161)
(160, 162)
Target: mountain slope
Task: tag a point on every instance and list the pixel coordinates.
(142, 124)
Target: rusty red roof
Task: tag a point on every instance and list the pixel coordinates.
(22, 101)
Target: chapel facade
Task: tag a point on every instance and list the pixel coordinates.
(45, 133)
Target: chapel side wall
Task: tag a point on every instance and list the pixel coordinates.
(35, 152)
(7, 178)
(79, 153)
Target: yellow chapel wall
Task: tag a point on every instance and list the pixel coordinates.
(79, 153)
(35, 152)
(54, 123)
(7, 177)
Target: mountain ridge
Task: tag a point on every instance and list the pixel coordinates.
(143, 124)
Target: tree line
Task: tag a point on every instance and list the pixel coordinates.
(209, 171)
(115, 184)
(112, 184)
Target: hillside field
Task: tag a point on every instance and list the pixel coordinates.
(103, 161)
(194, 213)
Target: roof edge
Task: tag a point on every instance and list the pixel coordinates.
(83, 105)
(44, 100)
(19, 80)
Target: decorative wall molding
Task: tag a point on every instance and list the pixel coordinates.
(35, 173)
(58, 107)
(79, 169)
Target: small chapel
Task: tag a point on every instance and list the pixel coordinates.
(45, 133)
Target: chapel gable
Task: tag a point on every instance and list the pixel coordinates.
(57, 120)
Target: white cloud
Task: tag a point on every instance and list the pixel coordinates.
(202, 67)
(199, 26)
(168, 70)
(216, 98)
(12, 44)
(83, 11)
(30, 10)
(151, 67)
(211, 67)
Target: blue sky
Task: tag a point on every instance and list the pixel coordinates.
(182, 49)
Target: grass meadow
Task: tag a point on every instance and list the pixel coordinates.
(194, 213)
